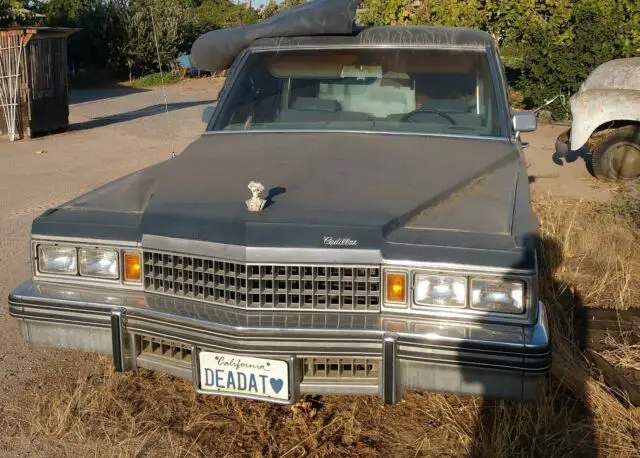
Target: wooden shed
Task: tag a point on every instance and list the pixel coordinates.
(34, 87)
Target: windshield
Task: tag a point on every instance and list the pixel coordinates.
(388, 90)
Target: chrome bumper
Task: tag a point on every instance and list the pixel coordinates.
(490, 360)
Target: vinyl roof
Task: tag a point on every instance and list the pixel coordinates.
(409, 36)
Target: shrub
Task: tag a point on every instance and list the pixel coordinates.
(549, 46)
(156, 79)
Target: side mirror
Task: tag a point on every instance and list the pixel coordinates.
(208, 113)
(524, 121)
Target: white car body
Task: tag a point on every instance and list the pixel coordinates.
(610, 93)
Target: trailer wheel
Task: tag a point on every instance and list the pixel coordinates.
(617, 156)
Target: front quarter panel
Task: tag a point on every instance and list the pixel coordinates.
(593, 108)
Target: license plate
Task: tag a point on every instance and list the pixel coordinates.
(245, 376)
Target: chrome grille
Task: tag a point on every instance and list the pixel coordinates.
(264, 286)
(340, 368)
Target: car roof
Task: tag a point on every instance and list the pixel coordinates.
(389, 36)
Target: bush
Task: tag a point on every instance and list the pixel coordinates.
(549, 47)
(557, 60)
(217, 14)
(156, 79)
(174, 32)
(100, 43)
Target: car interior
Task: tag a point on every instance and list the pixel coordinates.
(407, 90)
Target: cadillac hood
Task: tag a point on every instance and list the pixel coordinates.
(322, 190)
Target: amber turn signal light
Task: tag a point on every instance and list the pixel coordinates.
(396, 287)
(132, 268)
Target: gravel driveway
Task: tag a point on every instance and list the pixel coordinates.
(115, 132)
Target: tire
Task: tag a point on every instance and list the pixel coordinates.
(562, 144)
(617, 156)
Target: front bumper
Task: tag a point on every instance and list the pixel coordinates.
(490, 360)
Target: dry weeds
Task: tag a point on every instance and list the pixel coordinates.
(621, 350)
(589, 259)
(591, 250)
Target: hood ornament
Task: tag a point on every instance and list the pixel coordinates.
(256, 203)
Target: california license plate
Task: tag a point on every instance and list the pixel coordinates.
(244, 376)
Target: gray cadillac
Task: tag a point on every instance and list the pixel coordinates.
(356, 219)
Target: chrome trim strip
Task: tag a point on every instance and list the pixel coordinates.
(83, 241)
(117, 339)
(389, 382)
(195, 367)
(447, 267)
(363, 132)
(481, 48)
(351, 388)
(258, 255)
(300, 334)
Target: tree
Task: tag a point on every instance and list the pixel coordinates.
(218, 14)
(100, 42)
(549, 46)
(275, 7)
(174, 32)
(8, 12)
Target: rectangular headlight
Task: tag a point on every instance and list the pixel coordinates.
(498, 296)
(99, 263)
(57, 260)
(444, 290)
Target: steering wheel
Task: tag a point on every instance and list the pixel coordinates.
(408, 116)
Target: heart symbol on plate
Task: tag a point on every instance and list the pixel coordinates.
(276, 384)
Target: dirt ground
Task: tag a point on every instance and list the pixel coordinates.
(114, 132)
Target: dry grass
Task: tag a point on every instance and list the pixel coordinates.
(591, 250)
(621, 352)
(587, 261)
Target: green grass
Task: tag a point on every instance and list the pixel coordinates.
(155, 79)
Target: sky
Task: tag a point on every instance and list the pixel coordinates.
(255, 3)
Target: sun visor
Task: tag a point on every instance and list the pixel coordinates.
(311, 66)
(217, 50)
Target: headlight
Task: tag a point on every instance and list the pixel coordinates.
(99, 263)
(440, 290)
(57, 260)
(497, 296)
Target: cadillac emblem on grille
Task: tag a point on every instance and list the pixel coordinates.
(256, 203)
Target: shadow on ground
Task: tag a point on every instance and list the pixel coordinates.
(135, 114)
(513, 428)
(95, 95)
(564, 154)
